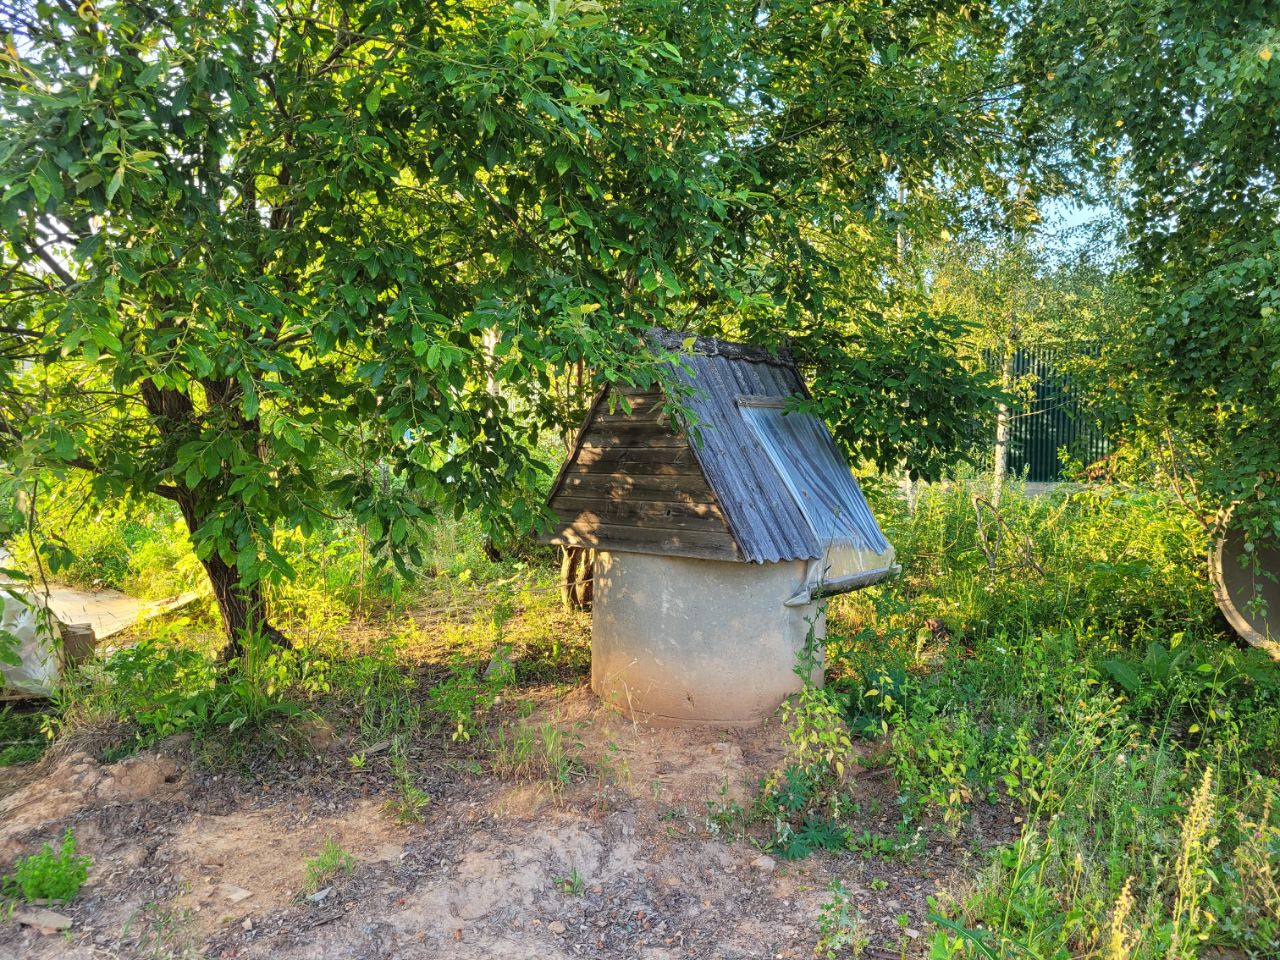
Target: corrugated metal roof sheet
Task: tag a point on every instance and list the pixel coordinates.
(819, 480)
(759, 502)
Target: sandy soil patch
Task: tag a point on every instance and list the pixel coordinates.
(191, 862)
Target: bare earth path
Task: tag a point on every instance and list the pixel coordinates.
(189, 862)
(108, 611)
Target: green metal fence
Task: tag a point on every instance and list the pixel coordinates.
(1055, 419)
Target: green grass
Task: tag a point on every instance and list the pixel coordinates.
(331, 863)
(1061, 660)
(573, 884)
(1115, 560)
(405, 666)
(22, 738)
(542, 754)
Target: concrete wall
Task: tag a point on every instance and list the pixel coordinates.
(679, 640)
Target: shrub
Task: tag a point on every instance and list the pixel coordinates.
(163, 564)
(804, 804)
(55, 875)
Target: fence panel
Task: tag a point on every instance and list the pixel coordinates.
(1053, 419)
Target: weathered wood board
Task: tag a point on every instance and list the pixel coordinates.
(633, 482)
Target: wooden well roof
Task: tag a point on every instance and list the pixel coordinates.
(753, 482)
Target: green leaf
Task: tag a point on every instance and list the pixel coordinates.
(249, 397)
(1124, 674)
(113, 185)
(292, 436)
(247, 561)
(149, 76)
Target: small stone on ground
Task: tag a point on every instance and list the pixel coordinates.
(43, 919)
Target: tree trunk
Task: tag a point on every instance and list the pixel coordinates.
(586, 580)
(576, 568)
(243, 607)
(1000, 464)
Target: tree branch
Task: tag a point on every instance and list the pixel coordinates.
(58, 269)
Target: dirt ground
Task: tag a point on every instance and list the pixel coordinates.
(192, 862)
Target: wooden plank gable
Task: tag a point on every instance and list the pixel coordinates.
(632, 482)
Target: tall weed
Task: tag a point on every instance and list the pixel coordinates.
(1063, 657)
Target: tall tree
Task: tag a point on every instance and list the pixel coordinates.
(1068, 296)
(864, 128)
(233, 234)
(1175, 104)
(237, 236)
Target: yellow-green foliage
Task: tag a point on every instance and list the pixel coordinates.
(1114, 558)
(143, 551)
(1063, 659)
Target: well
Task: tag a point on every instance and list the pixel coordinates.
(716, 527)
(681, 640)
(1247, 588)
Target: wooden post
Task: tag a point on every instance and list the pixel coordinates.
(1000, 466)
(568, 573)
(576, 577)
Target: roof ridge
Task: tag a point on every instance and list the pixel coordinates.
(715, 347)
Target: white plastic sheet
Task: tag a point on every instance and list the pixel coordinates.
(28, 630)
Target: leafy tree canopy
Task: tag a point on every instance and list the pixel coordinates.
(239, 239)
(1174, 105)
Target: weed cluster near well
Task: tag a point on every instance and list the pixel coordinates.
(1048, 683)
(1063, 656)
